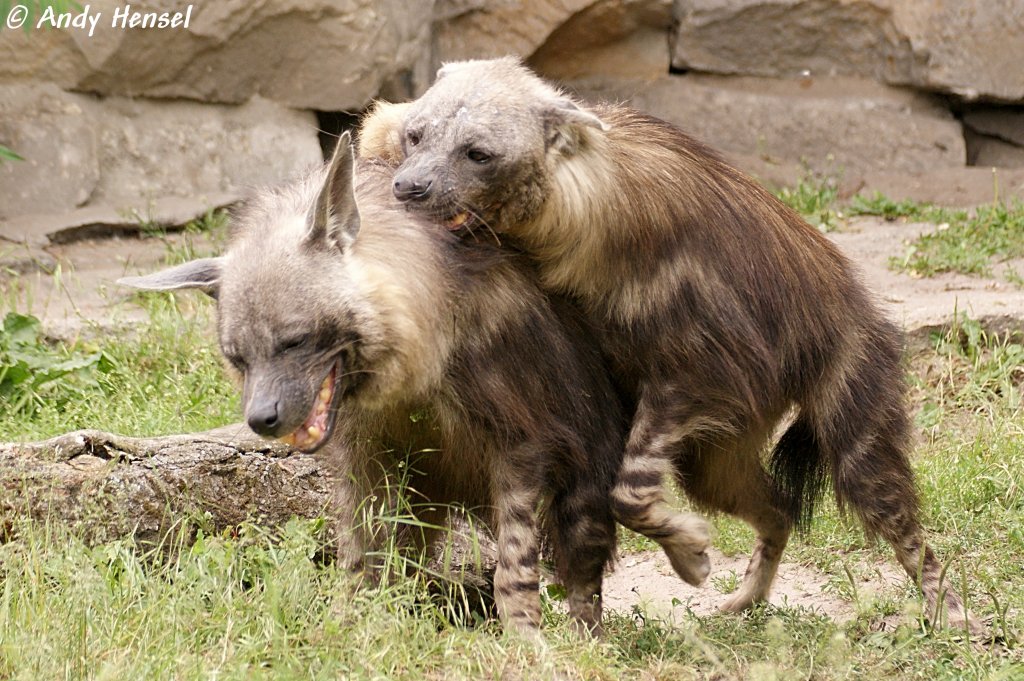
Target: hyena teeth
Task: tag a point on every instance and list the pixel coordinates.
(458, 220)
(288, 439)
(314, 432)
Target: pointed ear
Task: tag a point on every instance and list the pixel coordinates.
(380, 133)
(335, 218)
(450, 68)
(565, 123)
(203, 274)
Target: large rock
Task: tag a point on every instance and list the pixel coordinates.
(618, 38)
(559, 36)
(314, 54)
(128, 153)
(973, 48)
(479, 29)
(169, 214)
(52, 131)
(835, 126)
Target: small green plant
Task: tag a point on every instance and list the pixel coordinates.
(814, 197)
(198, 238)
(8, 155)
(881, 206)
(165, 375)
(34, 373)
(726, 583)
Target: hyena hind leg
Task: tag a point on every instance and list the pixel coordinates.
(583, 534)
(878, 484)
(729, 477)
(638, 502)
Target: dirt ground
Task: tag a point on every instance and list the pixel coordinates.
(647, 580)
(70, 287)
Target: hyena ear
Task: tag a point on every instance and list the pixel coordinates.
(565, 123)
(450, 68)
(380, 133)
(335, 218)
(203, 274)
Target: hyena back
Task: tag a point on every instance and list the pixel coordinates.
(361, 330)
(721, 311)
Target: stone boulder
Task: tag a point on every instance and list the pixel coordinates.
(611, 38)
(482, 29)
(312, 54)
(971, 48)
(558, 36)
(834, 126)
(125, 154)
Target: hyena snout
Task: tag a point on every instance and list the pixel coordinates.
(264, 415)
(412, 185)
(276, 407)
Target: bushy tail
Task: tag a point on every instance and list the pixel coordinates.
(852, 429)
(799, 470)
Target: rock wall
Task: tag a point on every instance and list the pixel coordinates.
(125, 116)
(121, 152)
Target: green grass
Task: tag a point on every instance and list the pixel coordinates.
(964, 241)
(163, 376)
(8, 155)
(199, 238)
(255, 603)
(814, 197)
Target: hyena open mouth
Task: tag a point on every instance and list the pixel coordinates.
(460, 221)
(313, 432)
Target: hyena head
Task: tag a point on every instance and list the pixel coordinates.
(479, 144)
(299, 314)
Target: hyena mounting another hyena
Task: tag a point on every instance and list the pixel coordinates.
(719, 309)
(363, 332)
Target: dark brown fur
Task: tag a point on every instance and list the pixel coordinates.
(721, 310)
(447, 349)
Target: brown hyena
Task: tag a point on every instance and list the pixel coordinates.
(719, 308)
(362, 331)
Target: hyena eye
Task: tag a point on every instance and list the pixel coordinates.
(291, 343)
(478, 156)
(412, 137)
(236, 361)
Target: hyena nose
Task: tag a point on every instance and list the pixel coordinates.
(412, 190)
(263, 417)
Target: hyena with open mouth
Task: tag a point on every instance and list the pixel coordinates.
(362, 331)
(724, 315)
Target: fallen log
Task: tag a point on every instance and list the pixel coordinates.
(107, 486)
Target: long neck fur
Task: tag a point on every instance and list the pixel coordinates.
(644, 204)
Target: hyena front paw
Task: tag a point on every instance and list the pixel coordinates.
(687, 549)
